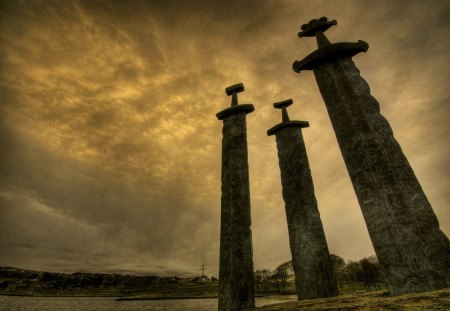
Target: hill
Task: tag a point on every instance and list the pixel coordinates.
(20, 282)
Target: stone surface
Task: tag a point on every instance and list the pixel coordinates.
(310, 29)
(330, 53)
(310, 256)
(413, 252)
(236, 289)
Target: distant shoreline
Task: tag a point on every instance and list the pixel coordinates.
(163, 298)
(117, 298)
(28, 283)
(56, 296)
(178, 297)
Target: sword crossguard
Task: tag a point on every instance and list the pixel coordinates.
(233, 91)
(283, 105)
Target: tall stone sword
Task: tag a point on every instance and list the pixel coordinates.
(236, 289)
(413, 252)
(310, 256)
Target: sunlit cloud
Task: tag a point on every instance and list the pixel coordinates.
(111, 149)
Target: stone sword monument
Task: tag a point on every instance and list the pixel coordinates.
(236, 289)
(310, 256)
(413, 252)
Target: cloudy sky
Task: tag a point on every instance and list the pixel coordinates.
(111, 151)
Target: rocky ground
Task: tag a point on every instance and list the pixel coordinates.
(380, 300)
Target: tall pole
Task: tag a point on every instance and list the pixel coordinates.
(310, 256)
(203, 269)
(413, 252)
(236, 291)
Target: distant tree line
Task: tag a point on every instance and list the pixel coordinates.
(19, 279)
(351, 276)
(281, 279)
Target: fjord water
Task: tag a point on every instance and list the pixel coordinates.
(14, 303)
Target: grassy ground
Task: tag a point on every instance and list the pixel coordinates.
(379, 300)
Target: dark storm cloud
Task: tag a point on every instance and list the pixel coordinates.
(111, 149)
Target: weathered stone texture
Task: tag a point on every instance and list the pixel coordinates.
(412, 250)
(310, 256)
(236, 289)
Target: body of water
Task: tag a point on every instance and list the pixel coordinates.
(15, 303)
